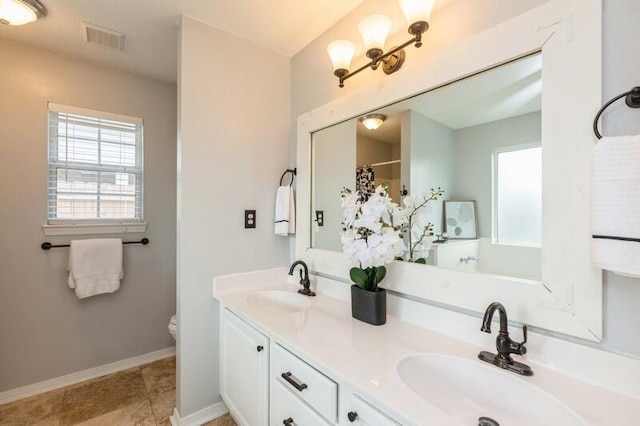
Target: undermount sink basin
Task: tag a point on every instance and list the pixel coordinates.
(280, 300)
(469, 390)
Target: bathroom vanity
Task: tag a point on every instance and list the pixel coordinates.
(290, 359)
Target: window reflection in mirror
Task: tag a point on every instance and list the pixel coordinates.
(477, 138)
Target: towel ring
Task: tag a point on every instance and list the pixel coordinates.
(293, 173)
(632, 99)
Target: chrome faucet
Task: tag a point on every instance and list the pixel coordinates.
(504, 345)
(304, 277)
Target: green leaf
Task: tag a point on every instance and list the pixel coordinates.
(359, 277)
(422, 261)
(381, 271)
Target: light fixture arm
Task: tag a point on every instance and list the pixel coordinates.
(398, 51)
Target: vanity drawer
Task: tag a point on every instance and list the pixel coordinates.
(362, 413)
(304, 381)
(287, 409)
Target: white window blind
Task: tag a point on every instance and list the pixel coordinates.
(95, 166)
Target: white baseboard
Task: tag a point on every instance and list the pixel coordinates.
(203, 416)
(81, 376)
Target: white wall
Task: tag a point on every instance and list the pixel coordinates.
(458, 20)
(233, 124)
(45, 330)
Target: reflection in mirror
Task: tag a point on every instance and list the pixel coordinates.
(479, 139)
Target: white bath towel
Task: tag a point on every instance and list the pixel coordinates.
(285, 217)
(615, 205)
(95, 266)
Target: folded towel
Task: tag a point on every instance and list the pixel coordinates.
(285, 217)
(615, 205)
(95, 266)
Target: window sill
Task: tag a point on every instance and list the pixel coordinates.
(91, 229)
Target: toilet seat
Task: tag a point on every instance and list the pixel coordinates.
(172, 325)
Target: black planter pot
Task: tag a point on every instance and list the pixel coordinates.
(369, 306)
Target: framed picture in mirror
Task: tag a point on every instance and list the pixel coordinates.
(460, 219)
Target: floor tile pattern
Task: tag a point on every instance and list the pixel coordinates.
(142, 396)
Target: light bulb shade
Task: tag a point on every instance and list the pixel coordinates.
(374, 30)
(20, 12)
(373, 121)
(416, 10)
(341, 53)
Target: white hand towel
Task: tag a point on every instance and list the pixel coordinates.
(95, 266)
(615, 205)
(285, 215)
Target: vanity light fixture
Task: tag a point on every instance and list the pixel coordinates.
(374, 30)
(372, 121)
(20, 12)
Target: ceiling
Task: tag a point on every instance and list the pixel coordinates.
(506, 91)
(151, 27)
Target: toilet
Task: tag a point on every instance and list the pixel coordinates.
(172, 326)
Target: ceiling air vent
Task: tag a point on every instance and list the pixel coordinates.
(104, 36)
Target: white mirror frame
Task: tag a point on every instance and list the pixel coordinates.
(569, 34)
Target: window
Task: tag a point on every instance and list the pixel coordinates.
(95, 167)
(517, 196)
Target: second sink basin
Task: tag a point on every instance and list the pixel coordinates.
(468, 390)
(280, 300)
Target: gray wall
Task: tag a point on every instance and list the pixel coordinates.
(474, 149)
(233, 123)
(45, 330)
(428, 150)
(620, 73)
(468, 17)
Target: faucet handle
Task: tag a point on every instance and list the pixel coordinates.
(524, 332)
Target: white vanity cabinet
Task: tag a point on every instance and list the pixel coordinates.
(244, 370)
(264, 383)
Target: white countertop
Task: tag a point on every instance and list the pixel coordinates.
(365, 356)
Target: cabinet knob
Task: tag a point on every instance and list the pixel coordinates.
(259, 348)
(352, 416)
(288, 422)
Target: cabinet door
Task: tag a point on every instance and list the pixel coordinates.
(244, 370)
(362, 413)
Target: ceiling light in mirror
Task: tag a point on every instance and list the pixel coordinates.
(373, 121)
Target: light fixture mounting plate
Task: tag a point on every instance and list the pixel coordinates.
(394, 62)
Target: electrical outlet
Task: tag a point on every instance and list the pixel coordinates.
(320, 217)
(249, 219)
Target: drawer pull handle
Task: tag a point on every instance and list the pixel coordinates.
(352, 416)
(288, 422)
(293, 381)
(259, 348)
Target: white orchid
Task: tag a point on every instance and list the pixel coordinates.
(369, 238)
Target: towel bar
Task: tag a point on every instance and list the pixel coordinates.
(293, 174)
(632, 99)
(47, 245)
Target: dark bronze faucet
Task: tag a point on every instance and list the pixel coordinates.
(504, 344)
(304, 278)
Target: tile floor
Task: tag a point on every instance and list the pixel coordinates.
(143, 395)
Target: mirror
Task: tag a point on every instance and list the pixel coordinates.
(479, 139)
(567, 298)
